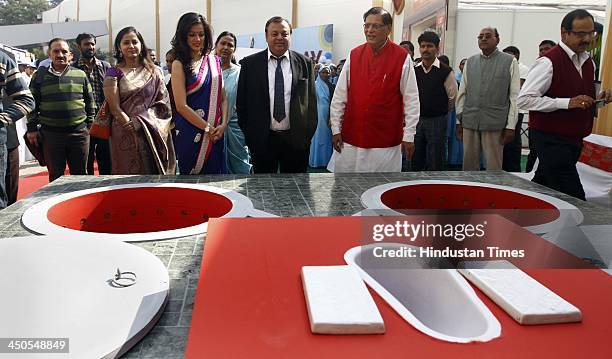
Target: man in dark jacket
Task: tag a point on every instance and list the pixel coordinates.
(96, 70)
(277, 104)
(15, 88)
(559, 94)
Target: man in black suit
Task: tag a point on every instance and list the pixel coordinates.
(277, 104)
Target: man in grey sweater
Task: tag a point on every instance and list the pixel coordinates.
(486, 103)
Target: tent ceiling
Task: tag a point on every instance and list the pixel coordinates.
(34, 34)
(561, 4)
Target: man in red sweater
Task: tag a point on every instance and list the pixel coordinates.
(375, 107)
(559, 93)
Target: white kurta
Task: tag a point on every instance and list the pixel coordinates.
(389, 159)
(356, 159)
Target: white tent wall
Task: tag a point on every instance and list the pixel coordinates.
(95, 10)
(523, 28)
(587, 4)
(516, 26)
(140, 14)
(50, 15)
(247, 17)
(238, 16)
(67, 10)
(169, 14)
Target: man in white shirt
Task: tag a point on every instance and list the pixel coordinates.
(543, 48)
(276, 103)
(560, 95)
(378, 116)
(512, 150)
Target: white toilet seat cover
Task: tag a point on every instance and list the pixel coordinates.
(54, 287)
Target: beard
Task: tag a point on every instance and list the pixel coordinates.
(88, 54)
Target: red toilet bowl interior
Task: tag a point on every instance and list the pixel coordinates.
(139, 210)
(457, 197)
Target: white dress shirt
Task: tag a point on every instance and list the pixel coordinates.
(287, 77)
(523, 70)
(531, 97)
(515, 86)
(408, 89)
(450, 84)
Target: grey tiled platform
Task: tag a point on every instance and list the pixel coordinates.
(285, 195)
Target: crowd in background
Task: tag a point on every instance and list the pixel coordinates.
(277, 111)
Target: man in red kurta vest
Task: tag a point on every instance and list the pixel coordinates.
(375, 107)
(559, 93)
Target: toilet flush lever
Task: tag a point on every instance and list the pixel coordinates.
(124, 279)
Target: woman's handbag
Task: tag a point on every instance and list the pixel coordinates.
(101, 124)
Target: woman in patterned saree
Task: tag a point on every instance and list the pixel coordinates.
(236, 152)
(138, 102)
(199, 96)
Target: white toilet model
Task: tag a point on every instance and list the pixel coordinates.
(536, 212)
(102, 296)
(137, 212)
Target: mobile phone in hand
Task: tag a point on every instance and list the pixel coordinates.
(600, 103)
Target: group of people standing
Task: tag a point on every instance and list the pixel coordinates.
(136, 128)
(216, 117)
(384, 105)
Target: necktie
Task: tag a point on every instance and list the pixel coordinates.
(279, 91)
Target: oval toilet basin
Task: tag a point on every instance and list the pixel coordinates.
(136, 212)
(437, 302)
(536, 212)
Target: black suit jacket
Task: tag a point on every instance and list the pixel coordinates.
(253, 101)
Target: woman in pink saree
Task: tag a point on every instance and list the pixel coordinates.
(140, 137)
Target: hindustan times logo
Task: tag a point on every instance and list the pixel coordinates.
(412, 231)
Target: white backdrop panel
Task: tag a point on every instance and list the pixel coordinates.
(67, 9)
(140, 14)
(347, 17)
(170, 12)
(248, 17)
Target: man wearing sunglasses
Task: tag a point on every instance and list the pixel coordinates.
(559, 93)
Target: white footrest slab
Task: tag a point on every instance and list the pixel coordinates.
(339, 302)
(526, 300)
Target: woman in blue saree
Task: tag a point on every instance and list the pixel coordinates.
(199, 96)
(236, 152)
(321, 144)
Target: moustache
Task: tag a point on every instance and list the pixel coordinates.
(89, 54)
(585, 43)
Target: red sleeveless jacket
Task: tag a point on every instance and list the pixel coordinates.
(567, 83)
(374, 114)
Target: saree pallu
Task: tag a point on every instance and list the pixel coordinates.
(237, 156)
(148, 148)
(196, 153)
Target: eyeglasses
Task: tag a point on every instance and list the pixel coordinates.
(373, 26)
(486, 36)
(584, 33)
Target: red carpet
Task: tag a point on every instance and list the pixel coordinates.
(32, 183)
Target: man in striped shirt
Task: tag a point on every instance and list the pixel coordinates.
(65, 108)
(16, 89)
